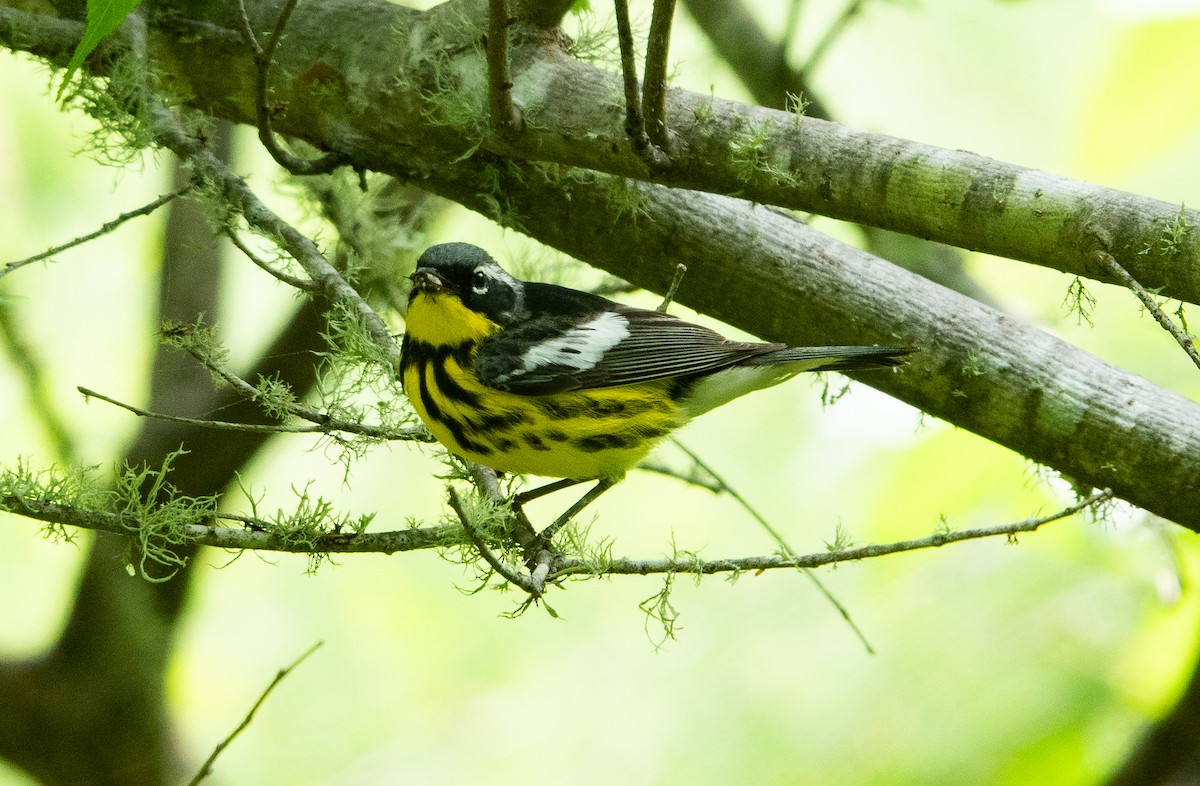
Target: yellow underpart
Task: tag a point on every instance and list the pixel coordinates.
(441, 318)
(584, 434)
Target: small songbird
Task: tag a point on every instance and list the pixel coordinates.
(531, 378)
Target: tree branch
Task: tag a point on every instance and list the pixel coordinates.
(766, 156)
(172, 135)
(304, 285)
(693, 565)
(976, 367)
(324, 421)
(1186, 342)
(776, 535)
(503, 114)
(258, 539)
(762, 66)
(104, 229)
(322, 424)
(263, 57)
(635, 124)
(509, 573)
(654, 90)
(206, 768)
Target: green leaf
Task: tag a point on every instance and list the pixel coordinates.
(103, 17)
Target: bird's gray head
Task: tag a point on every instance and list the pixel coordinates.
(468, 272)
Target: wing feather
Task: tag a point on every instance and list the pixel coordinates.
(616, 346)
(580, 341)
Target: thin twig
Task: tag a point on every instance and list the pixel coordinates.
(508, 573)
(218, 425)
(1185, 341)
(540, 558)
(504, 116)
(144, 210)
(654, 89)
(262, 61)
(486, 480)
(206, 768)
(831, 34)
(676, 280)
(322, 424)
(777, 536)
(635, 124)
(754, 564)
(326, 422)
(292, 281)
(692, 478)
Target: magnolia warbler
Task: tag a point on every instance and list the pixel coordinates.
(532, 378)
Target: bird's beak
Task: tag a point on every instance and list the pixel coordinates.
(426, 279)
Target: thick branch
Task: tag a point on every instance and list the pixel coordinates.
(338, 76)
(762, 66)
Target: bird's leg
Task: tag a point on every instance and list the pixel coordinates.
(527, 536)
(539, 555)
(603, 485)
(541, 491)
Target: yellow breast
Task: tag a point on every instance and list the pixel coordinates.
(580, 434)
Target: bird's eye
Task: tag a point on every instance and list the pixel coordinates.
(479, 282)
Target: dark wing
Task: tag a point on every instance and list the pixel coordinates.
(610, 345)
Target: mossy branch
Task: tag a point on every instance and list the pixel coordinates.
(322, 424)
(57, 501)
(172, 134)
(252, 535)
(360, 107)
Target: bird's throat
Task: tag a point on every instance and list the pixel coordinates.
(440, 318)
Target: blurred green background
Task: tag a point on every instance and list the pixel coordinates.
(997, 663)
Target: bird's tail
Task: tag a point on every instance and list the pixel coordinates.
(771, 368)
(832, 358)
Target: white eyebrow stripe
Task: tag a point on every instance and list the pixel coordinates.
(581, 347)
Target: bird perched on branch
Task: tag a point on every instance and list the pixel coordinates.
(531, 378)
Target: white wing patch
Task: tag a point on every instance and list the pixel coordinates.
(581, 347)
